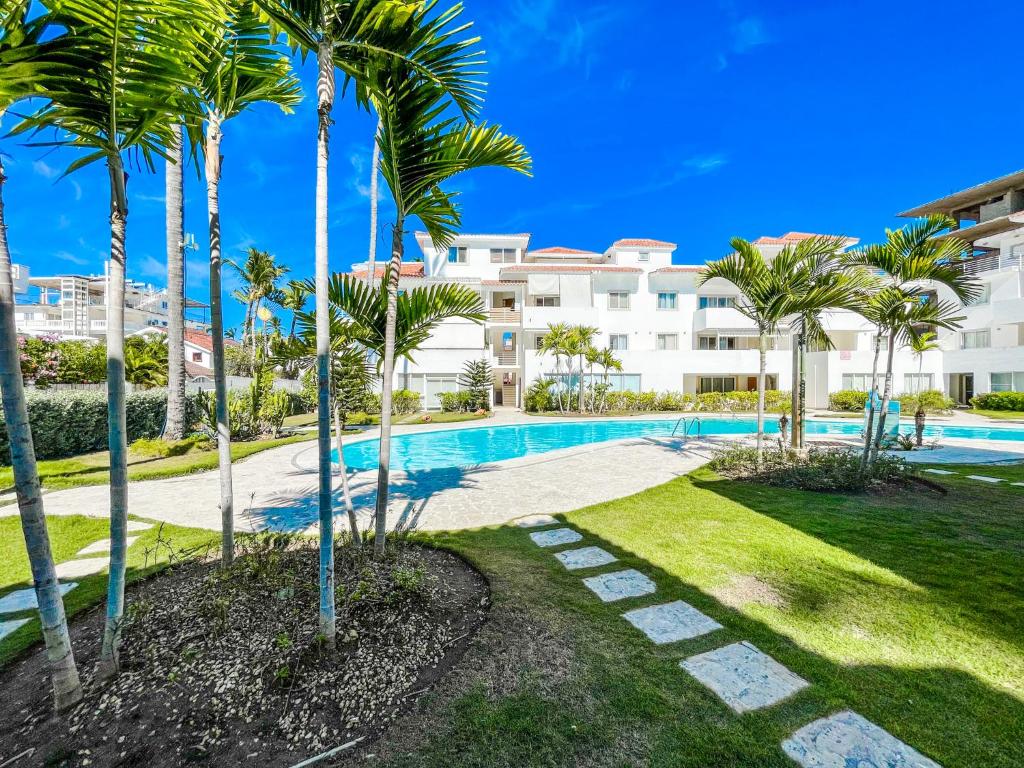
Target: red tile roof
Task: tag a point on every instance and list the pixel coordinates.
(195, 370)
(641, 242)
(791, 237)
(204, 340)
(560, 249)
(568, 268)
(409, 269)
(679, 268)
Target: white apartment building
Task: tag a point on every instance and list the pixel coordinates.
(75, 306)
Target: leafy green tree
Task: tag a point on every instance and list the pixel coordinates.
(609, 362)
(146, 362)
(478, 379)
(578, 342)
(554, 343)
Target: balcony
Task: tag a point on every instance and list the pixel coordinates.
(1008, 311)
(721, 319)
(992, 262)
(505, 358)
(504, 316)
(539, 318)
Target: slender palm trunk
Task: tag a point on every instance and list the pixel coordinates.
(227, 497)
(763, 356)
(375, 172)
(117, 438)
(174, 426)
(886, 397)
(802, 412)
(582, 391)
(325, 104)
(339, 430)
(67, 689)
(387, 387)
(794, 400)
(869, 427)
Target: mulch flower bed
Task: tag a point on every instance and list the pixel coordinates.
(226, 667)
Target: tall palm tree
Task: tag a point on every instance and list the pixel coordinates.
(371, 262)
(554, 342)
(174, 425)
(241, 69)
(420, 151)
(580, 339)
(909, 259)
(20, 54)
(259, 274)
(919, 344)
(609, 362)
(132, 66)
(772, 293)
(292, 297)
(359, 37)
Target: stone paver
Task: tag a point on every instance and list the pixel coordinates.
(586, 557)
(76, 569)
(136, 525)
(25, 599)
(556, 537)
(535, 521)
(10, 625)
(1020, 484)
(670, 622)
(940, 471)
(103, 545)
(744, 677)
(620, 585)
(986, 479)
(847, 740)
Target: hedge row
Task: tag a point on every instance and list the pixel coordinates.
(540, 399)
(72, 422)
(932, 400)
(999, 401)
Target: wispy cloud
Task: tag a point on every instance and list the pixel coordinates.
(746, 32)
(150, 268)
(71, 258)
(151, 199)
(78, 189)
(44, 169)
(63, 222)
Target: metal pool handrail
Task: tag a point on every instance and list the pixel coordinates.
(688, 423)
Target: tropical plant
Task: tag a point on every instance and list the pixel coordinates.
(609, 362)
(555, 342)
(371, 261)
(923, 342)
(292, 297)
(538, 395)
(477, 379)
(241, 69)
(773, 292)
(145, 362)
(19, 54)
(578, 341)
(174, 195)
(909, 259)
(259, 273)
(132, 64)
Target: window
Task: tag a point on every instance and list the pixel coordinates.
(617, 382)
(727, 342)
(538, 341)
(667, 301)
(667, 341)
(706, 342)
(618, 300)
(618, 341)
(858, 382)
(1008, 382)
(975, 339)
(547, 301)
(458, 255)
(984, 297)
(645, 255)
(197, 357)
(717, 384)
(917, 382)
(715, 302)
(503, 255)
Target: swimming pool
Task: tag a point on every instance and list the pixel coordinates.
(483, 445)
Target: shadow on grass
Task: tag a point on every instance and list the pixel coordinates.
(632, 704)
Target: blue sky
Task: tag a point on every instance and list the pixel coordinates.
(644, 119)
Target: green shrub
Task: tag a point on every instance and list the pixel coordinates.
(999, 401)
(932, 401)
(820, 469)
(538, 396)
(403, 402)
(847, 400)
(464, 401)
(160, 448)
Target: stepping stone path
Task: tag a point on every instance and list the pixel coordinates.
(587, 557)
(10, 625)
(847, 739)
(985, 479)
(76, 569)
(25, 599)
(744, 677)
(620, 585)
(670, 622)
(535, 521)
(741, 675)
(103, 545)
(940, 471)
(135, 525)
(556, 537)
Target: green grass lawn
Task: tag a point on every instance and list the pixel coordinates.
(907, 608)
(999, 415)
(67, 536)
(94, 468)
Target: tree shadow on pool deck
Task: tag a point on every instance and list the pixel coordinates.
(638, 689)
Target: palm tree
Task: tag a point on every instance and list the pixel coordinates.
(609, 362)
(919, 344)
(419, 152)
(554, 342)
(773, 292)
(293, 298)
(259, 274)
(174, 425)
(132, 64)
(579, 340)
(20, 53)
(241, 69)
(909, 258)
(371, 262)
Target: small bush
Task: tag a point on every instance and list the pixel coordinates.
(932, 401)
(539, 396)
(820, 469)
(403, 402)
(159, 448)
(999, 401)
(464, 401)
(847, 400)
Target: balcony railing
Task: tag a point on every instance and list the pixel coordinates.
(992, 262)
(506, 358)
(504, 315)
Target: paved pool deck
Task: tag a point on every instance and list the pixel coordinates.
(276, 489)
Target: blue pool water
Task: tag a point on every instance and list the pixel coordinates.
(483, 445)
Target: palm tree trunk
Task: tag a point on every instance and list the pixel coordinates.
(763, 364)
(387, 387)
(227, 497)
(117, 438)
(375, 171)
(795, 394)
(345, 492)
(174, 426)
(582, 409)
(869, 427)
(886, 396)
(325, 104)
(802, 416)
(67, 688)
